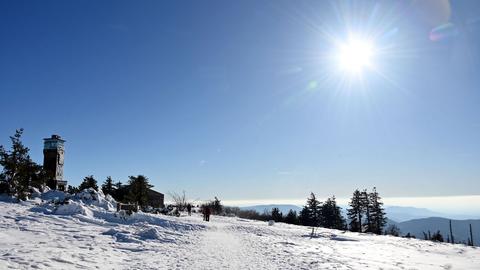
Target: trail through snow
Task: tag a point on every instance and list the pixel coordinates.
(36, 237)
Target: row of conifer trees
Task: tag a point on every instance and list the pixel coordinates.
(365, 213)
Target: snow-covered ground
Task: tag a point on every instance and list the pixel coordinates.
(86, 234)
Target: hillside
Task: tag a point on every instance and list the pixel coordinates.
(87, 234)
(460, 228)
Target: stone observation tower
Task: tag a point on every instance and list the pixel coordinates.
(53, 155)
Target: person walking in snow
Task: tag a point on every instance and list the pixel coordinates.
(189, 209)
(207, 213)
(204, 212)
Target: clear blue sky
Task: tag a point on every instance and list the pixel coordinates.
(238, 99)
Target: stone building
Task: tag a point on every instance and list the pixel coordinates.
(53, 157)
(155, 199)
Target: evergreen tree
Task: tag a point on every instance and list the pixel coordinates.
(119, 192)
(138, 191)
(291, 217)
(217, 207)
(72, 190)
(19, 171)
(312, 212)
(437, 237)
(355, 212)
(107, 186)
(88, 182)
(367, 208)
(38, 177)
(277, 216)
(378, 217)
(118, 185)
(304, 217)
(331, 215)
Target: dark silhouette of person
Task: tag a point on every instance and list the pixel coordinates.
(189, 209)
(207, 213)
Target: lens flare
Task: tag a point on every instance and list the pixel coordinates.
(443, 32)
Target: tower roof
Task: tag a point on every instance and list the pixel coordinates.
(54, 138)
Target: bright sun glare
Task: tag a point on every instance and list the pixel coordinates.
(355, 55)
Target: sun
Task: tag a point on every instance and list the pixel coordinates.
(355, 55)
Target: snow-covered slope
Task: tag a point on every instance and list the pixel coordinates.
(87, 234)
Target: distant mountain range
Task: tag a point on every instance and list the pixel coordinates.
(403, 213)
(460, 228)
(284, 208)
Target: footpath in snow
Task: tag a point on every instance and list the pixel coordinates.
(87, 234)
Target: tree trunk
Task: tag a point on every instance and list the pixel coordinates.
(359, 223)
(471, 235)
(451, 233)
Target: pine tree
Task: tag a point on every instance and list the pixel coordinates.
(217, 206)
(304, 217)
(118, 185)
(378, 217)
(38, 177)
(437, 237)
(119, 192)
(291, 217)
(314, 210)
(367, 209)
(107, 187)
(331, 215)
(355, 212)
(72, 190)
(88, 182)
(311, 212)
(19, 171)
(138, 193)
(277, 216)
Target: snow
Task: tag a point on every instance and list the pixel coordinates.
(53, 195)
(84, 233)
(73, 208)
